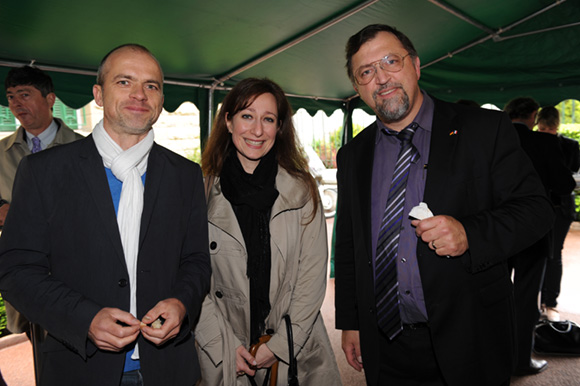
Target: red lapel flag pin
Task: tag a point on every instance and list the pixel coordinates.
(454, 132)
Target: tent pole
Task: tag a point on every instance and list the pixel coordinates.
(295, 41)
(210, 111)
(461, 15)
(495, 35)
(347, 129)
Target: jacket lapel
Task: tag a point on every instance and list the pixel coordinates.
(221, 214)
(363, 178)
(155, 166)
(444, 137)
(93, 171)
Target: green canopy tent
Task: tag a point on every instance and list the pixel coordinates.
(488, 51)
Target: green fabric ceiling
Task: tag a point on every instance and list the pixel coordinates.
(200, 42)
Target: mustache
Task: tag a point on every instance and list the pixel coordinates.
(385, 87)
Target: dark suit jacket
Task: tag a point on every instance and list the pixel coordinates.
(480, 176)
(61, 261)
(548, 160)
(571, 152)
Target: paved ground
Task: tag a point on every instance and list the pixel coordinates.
(16, 352)
(16, 361)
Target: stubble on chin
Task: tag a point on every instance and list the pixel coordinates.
(391, 110)
(134, 128)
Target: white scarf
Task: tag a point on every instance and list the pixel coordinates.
(128, 166)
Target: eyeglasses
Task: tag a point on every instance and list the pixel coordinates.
(390, 63)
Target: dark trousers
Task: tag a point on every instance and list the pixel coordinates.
(132, 378)
(528, 275)
(409, 360)
(553, 275)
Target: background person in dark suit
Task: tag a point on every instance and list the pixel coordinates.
(454, 288)
(106, 236)
(529, 264)
(549, 122)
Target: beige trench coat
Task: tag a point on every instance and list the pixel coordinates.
(13, 148)
(297, 288)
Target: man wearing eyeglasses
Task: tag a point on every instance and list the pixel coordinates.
(428, 300)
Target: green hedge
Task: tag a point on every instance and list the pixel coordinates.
(571, 130)
(2, 316)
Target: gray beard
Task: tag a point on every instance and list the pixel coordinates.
(392, 110)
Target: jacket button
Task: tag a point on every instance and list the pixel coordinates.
(213, 245)
(219, 294)
(123, 283)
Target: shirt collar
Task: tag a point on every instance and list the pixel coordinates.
(424, 117)
(46, 137)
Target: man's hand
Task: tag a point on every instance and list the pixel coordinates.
(112, 329)
(172, 311)
(3, 213)
(444, 234)
(351, 348)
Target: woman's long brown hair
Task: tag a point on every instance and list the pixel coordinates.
(288, 154)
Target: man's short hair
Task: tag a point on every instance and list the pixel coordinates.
(29, 76)
(550, 116)
(521, 108)
(134, 47)
(368, 33)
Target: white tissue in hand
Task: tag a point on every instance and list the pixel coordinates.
(420, 212)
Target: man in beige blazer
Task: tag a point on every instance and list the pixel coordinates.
(30, 95)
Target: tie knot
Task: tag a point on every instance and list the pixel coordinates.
(406, 135)
(36, 145)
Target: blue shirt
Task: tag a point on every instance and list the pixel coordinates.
(115, 186)
(387, 146)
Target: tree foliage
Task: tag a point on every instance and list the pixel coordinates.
(327, 149)
(569, 111)
(2, 316)
(571, 130)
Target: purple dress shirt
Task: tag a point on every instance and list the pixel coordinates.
(412, 303)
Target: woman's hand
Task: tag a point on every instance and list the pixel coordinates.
(264, 357)
(244, 362)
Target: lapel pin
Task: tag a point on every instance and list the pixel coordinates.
(454, 132)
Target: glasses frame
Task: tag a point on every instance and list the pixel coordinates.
(374, 66)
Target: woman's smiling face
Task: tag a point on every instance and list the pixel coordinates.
(254, 130)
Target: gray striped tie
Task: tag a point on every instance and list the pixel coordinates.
(386, 282)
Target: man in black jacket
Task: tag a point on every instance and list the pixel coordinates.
(454, 300)
(528, 265)
(119, 242)
(549, 122)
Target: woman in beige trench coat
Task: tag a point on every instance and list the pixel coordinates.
(257, 176)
